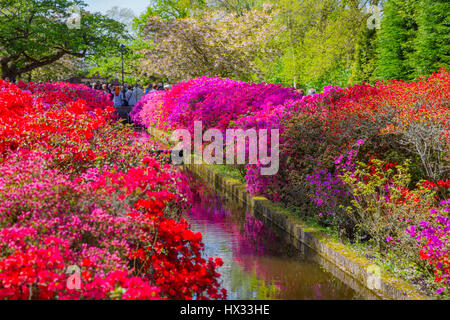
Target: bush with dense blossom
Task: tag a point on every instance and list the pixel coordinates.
(340, 117)
(434, 243)
(214, 101)
(78, 189)
(145, 116)
(61, 93)
(395, 125)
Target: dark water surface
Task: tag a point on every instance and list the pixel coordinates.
(258, 264)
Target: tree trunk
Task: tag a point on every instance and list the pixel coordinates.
(8, 69)
(5, 70)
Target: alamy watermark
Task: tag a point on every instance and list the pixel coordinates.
(374, 21)
(231, 149)
(74, 280)
(74, 20)
(374, 277)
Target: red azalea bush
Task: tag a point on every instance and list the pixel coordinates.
(61, 93)
(78, 189)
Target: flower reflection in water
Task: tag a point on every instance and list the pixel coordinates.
(258, 264)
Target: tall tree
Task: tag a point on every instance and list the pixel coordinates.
(123, 15)
(365, 57)
(234, 6)
(396, 40)
(170, 9)
(319, 41)
(216, 44)
(34, 33)
(433, 39)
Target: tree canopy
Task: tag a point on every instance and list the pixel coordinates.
(433, 36)
(395, 40)
(217, 44)
(306, 43)
(34, 33)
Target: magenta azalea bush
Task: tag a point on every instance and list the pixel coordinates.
(434, 243)
(216, 102)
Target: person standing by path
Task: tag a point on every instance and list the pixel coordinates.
(311, 92)
(150, 88)
(110, 91)
(138, 92)
(118, 97)
(129, 96)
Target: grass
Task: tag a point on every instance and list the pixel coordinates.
(228, 172)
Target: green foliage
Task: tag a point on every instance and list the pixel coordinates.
(338, 76)
(318, 42)
(433, 39)
(110, 66)
(414, 39)
(365, 57)
(235, 6)
(379, 207)
(323, 42)
(33, 34)
(169, 9)
(396, 40)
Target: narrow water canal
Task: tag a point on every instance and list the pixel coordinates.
(258, 264)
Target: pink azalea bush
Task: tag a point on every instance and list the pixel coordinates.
(148, 110)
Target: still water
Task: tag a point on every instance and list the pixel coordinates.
(258, 264)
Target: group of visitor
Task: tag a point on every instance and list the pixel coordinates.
(310, 92)
(11, 80)
(126, 95)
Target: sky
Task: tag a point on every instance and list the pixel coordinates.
(138, 6)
